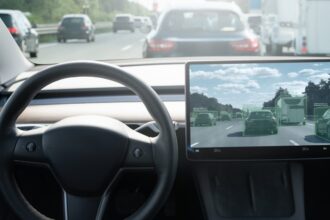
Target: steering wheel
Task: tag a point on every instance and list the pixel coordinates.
(86, 153)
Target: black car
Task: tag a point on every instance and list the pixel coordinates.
(322, 125)
(22, 31)
(209, 29)
(260, 122)
(76, 26)
(123, 22)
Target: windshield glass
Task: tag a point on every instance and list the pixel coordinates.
(140, 29)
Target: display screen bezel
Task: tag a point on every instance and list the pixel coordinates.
(249, 153)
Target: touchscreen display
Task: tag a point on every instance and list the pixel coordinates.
(258, 104)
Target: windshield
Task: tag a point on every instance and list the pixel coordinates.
(146, 29)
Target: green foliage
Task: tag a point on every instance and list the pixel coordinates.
(201, 101)
(279, 93)
(51, 11)
(317, 93)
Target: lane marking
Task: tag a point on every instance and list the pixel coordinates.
(126, 48)
(194, 144)
(310, 124)
(294, 143)
(229, 127)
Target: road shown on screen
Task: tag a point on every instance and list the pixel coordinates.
(259, 104)
(231, 134)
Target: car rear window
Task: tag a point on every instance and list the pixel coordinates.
(6, 18)
(122, 19)
(260, 115)
(203, 116)
(72, 21)
(202, 21)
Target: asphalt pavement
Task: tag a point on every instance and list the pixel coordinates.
(107, 46)
(230, 134)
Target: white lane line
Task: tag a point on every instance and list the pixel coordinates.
(294, 143)
(229, 127)
(126, 47)
(194, 144)
(310, 124)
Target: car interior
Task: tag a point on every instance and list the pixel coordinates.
(214, 138)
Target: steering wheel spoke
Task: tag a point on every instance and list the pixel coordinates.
(28, 148)
(140, 151)
(83, 207)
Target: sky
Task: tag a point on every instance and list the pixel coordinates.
(252, 84)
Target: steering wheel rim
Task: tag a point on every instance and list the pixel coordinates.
(165, 155)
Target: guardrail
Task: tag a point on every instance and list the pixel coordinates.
(49, 29)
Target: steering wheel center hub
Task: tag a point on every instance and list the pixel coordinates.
(85, 152)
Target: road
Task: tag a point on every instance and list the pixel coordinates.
(230, 134)
(122, 45)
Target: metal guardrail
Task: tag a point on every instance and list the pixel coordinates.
(44, 29)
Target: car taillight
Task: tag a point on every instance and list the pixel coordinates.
(13, 30)
(161, 45)
(304, 49)
(84, 27)
(246, 45)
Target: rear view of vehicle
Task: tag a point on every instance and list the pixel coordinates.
(76, 27)
(205, 119)
(123, 23)
(254, 21)
(291, 110)
(21, 30)
(260, 122)
(322, 125)
(138, 22)
(279, 24)
(212, 29)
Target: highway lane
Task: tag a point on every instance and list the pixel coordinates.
(108, 46)
(230, 134)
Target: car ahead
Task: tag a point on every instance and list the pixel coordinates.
(254, 21)
(76, 26)
(205, 119)
(208, 29)
(224, 116)
(260, 122)
(138, 22)
(123, 22)
(22, 31)
(322, 125)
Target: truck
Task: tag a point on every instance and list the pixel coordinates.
(280, 19)
(291, 110)
(313, 31)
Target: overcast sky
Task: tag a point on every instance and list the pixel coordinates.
(253, 84)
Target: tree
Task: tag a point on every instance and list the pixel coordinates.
(279, 93)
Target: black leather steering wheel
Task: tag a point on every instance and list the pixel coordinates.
(86, 153)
